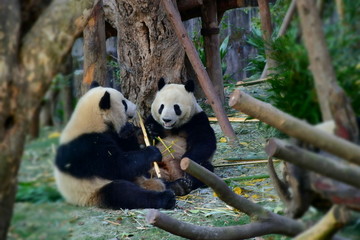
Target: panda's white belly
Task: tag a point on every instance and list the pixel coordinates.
(78, 191)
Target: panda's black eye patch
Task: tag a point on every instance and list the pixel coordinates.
(161, 108)
(125, 105)
(177, 109)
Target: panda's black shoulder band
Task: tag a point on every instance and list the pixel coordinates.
(190, 86)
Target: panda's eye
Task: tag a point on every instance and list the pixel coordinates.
(161, 108)
(125, 105)
(177, 109)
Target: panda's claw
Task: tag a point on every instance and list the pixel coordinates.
(181, 186)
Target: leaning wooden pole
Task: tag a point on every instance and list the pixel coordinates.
(204, 80)
(319, 56)
(294, 127)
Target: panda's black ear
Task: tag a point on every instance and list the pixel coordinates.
(104, 103)
(161, 84)
(190, 86)
(94, 84)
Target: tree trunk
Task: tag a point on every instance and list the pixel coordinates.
(148, 49)
(24, 83)
(94, 49)
(320, 60)
(210, 31)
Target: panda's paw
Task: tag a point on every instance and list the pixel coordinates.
(168, 199)
(154, 154)
(153, 130)
(181, 186)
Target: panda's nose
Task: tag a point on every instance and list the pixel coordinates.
(166, 120)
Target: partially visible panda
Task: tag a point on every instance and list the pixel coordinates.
(94, 166)
(176, 115)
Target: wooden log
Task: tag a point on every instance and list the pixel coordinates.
(235, 119)
(294, 127)
(191, 231)
(210, 31)
(94, 48)
(328, 167)
(204, 80)
(328, 225)
(192, 8)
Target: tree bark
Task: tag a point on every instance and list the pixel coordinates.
(320, 60)
(9, 132)
(23, 83)
(94, 49)
(294, 127)
(148, 49)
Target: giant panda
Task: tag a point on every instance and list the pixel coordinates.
(176, 115)
(94, 166)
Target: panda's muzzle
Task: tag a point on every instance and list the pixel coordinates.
(168, 123)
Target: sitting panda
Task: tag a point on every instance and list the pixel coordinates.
(94, 166)
(177, 117)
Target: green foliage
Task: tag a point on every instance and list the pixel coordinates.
(36, 193)
(198, 41)
(292, 86)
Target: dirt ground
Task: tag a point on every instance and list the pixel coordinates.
(40, 213)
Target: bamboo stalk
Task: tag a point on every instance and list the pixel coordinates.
(167, 148)
(147, 143)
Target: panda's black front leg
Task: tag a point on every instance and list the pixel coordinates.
(153, 128)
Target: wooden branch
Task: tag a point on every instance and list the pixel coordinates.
(328, 167)
(294, 127)
(191, 231)
(192, 8)
(242, 204)
(280, 187)
(248, 83)
(333, 221)
(235, 119)
(222, 190)
(204, 80)
(94, 49)
(319, 57)
(345, 121)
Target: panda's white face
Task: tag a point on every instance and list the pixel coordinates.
(173, 106)
(98, 109)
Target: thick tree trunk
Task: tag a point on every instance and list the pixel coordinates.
(24, 83)
(9, 132)
(148, 49)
